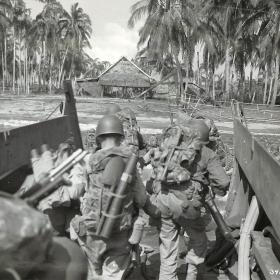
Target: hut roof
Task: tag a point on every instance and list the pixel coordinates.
(125, 73)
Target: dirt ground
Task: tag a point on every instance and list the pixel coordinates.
(152, 116)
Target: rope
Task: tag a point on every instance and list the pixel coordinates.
(58, 106)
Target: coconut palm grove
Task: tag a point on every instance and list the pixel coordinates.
(228, 48)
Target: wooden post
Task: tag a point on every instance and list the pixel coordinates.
(71, 111)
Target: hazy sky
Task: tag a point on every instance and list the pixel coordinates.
(111, 38)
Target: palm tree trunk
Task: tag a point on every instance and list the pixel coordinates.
(275, 90)
(270, 90)
(3, 72)
(207, 75)
(265, 84)
(14, 59)
(28, 71)
(50, 78)
(180, 77)
(24, 69)
(227, 73)
(39, 72)
(251, 79)
(71, 67)
(44, 63)
(19, 65)
(62, 66)
(186, 63)
(214, 92)
(5, 58)
(63, 75)
(198, 69)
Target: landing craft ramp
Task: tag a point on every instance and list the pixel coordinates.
(253, 202)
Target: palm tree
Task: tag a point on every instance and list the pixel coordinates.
(45, 30)
(76, 29)
(164, 31)
(5, 20)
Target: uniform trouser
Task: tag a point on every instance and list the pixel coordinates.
(60, 218)
(106, 260)
(169, 245)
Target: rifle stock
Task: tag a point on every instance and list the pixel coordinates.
(163, 175)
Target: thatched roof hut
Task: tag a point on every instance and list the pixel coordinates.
(125, 73)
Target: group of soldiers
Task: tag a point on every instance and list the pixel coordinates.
(104, 201)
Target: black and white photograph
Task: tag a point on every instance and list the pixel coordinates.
(139, 139)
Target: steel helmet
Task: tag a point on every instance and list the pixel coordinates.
(113, 109)
(201, 128)
(109, 125)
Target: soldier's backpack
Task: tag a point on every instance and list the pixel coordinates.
(179, 145)
(133, 136)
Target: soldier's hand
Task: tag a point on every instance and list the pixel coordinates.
(42, 164)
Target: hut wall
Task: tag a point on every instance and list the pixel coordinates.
(92, 88)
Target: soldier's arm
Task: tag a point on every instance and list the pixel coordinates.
(139, 191)
(219, 181)
(141, 198)
(78, 182)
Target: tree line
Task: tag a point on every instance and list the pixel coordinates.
(240, 36)
(40, 53)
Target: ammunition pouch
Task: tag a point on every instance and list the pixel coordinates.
(88, 223)
(84, 225)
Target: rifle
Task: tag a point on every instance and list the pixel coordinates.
(163, 175)
(52, 181)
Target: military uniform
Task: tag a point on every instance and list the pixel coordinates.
(25, 236)
(28, 249)
(192, 167)
(181, 207)
(62, 205)
(108, 258)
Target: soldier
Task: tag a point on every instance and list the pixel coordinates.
(90, 144)
(180, 200)
(216, 144)
(62, 205)
(112, 109)
(108, 258)
(133, 137)
(28, 249)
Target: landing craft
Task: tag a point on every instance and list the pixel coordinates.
(251, 210)
(64, 260)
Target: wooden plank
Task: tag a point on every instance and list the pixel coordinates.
(16, 144)
(261, 170)
(262, 250)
